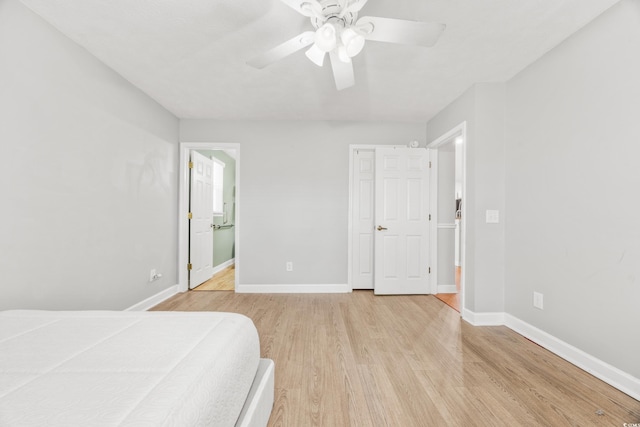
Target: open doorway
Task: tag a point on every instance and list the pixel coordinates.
(217, 247)
(449, 205)
(222, 223)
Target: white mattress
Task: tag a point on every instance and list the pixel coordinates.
(125, 368)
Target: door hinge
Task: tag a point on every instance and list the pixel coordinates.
(190, 165)
(429, 165)
(190, 215)
(189, 266)
(429, 270)
(429, 217)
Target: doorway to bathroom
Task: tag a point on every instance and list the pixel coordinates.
(209, 217)
(221, 239)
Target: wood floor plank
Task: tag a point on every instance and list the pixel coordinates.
(371, 395)
(355, 404)
(361, 360)
(224, 280)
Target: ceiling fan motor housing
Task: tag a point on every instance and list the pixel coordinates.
(331, 12)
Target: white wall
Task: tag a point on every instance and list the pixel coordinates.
(482, 108)
(87, 176)
(572, 176)
(294, 192)
(556, 150)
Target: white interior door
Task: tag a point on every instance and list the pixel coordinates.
(402, 221)
(201, 223)
(363, 224)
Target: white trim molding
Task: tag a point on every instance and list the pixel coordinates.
(156, 299)
(218, 268)
(293, 289)
(596, 367)
(458, 131)
(483, 319)
(611, 375)
(445, 226)
(447, 289)
(183, 207)
(433, 220)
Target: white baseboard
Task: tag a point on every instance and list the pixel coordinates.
(483, 319)
(218, 268)
(293, 289)
(611, 375)
(156, 299)
(447, 289)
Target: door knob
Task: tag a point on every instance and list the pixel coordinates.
(380, 228)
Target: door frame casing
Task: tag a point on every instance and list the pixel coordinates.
(183, 208)
(457, 131)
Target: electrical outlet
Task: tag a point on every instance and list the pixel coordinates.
(538, 300)
(153, 275)
(289, 266)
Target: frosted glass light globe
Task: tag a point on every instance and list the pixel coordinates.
(353, 42)
(326, 38)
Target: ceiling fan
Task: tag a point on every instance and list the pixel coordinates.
(340, 33)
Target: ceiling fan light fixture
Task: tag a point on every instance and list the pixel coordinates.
(353, 41)
(326, 38)
(337, 30)
(316, 55)
(343, 55)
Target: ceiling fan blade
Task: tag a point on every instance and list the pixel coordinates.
(282, 51)
(355, 5)
(308, 8)
(400, 31)
(342, 71)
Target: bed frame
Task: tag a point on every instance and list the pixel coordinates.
(257, 408)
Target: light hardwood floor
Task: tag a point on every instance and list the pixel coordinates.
(452, 300)
(221, 281)
(363, 360)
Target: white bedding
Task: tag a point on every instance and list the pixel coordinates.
(125, 368)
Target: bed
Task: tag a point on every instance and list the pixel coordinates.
(105, 368)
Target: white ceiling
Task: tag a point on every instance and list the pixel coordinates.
(190, 55)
